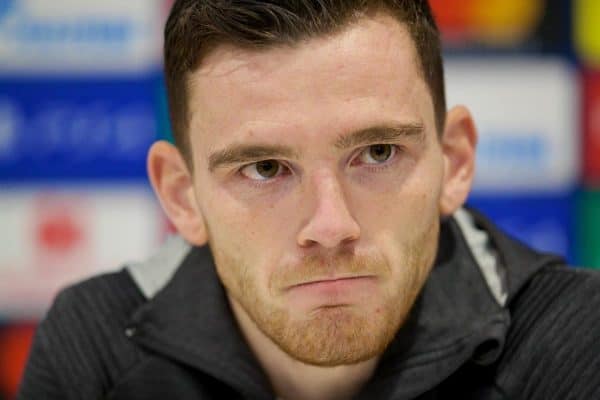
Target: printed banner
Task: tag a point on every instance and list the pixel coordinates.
(527, 112)
(53, 237)
(496, 23)
(587, 31)
(588, 228)
(544, 222)
(73, 129)
(591, 128)
(74, 36)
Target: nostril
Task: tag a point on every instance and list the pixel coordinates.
(308, 243)
(329, 236)
(331, 222)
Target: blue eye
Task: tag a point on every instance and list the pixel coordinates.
(262, 170)
(377, 153)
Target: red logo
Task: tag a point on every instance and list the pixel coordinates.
(62, 233)
(59, 232)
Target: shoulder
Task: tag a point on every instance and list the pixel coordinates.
(557, 288)
(83, 334)
(553, 346)
(104, 293)
(98, 307)
(104, 301)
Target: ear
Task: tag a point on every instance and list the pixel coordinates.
(458, 142)
(173, 185)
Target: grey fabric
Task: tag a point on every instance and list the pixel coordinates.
(485, 254)
(154, 273)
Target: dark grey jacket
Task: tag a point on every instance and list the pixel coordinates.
(495, 320)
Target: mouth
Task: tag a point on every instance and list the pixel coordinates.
(331, 281)
(334, 290)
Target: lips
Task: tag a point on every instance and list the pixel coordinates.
(317, 293)
(334, 280)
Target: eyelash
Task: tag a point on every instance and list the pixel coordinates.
(262, 183)
(396, 150)
(370, 167)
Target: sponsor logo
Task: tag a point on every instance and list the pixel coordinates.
(91, 131)
(83, 31)
(26, 27)
(527, 150)
(107, 35)
(75, 128)
(62, 225)
(491, 22)
(525, 111)
(59, 232)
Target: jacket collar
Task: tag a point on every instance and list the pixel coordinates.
(520, 260)
(455, 320)
(190, 321)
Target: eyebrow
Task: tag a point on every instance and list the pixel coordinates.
(239, 154)
(243, 153)
(380, 134)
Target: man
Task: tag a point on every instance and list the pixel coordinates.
(317, 187)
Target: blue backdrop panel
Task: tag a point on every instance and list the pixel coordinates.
(76, 128)
(544, 222)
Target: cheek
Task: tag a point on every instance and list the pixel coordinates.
(249, 210)
(247, 246)
(403, 224)
(402, 212)
(421, 193)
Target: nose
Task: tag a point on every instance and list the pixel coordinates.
(330, 223)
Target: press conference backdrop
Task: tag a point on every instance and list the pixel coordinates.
(82, 99)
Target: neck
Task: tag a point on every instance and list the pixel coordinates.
(293, 380)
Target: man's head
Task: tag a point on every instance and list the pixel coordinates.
(195, 28)
(319, 163)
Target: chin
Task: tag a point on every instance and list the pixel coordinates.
(336, 335)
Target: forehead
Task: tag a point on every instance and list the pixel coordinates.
(369, 70)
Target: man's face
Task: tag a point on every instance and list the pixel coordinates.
(318, 173)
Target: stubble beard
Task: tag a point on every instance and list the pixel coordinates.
(340, 335)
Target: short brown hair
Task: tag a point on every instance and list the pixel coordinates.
(195, 27)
